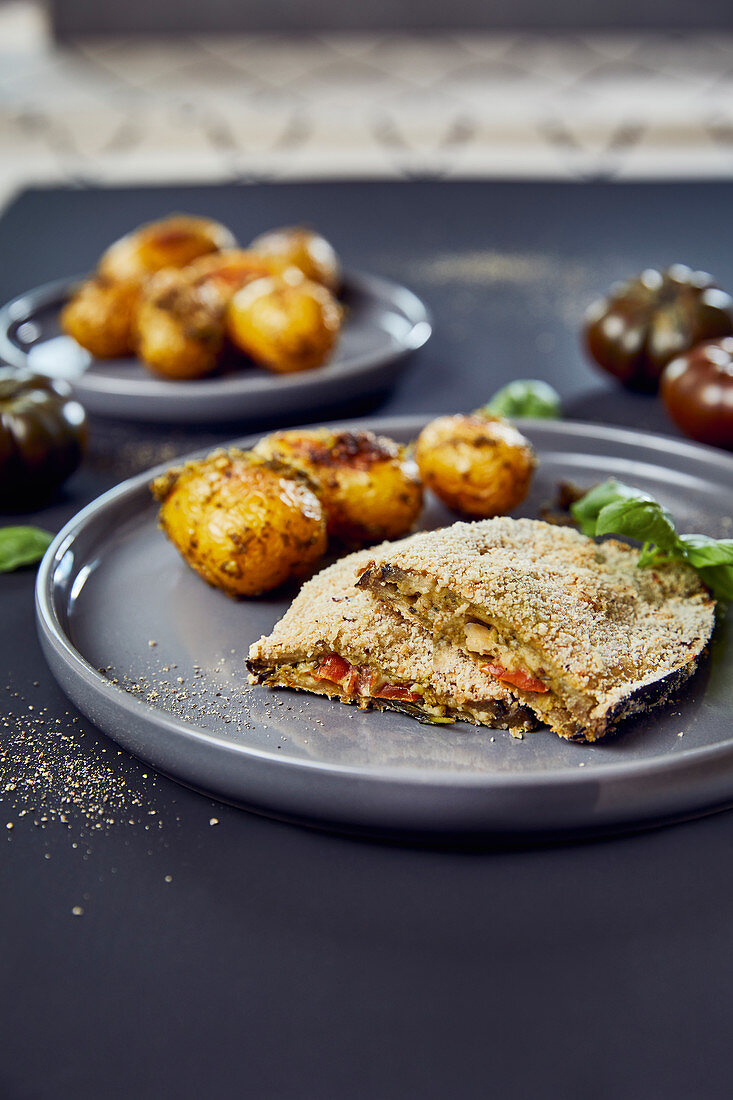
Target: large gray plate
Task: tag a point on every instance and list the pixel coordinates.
(384, 322)
(110, 584)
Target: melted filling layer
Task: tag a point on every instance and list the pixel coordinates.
(513, 660)
(331, 674)
(356, 680)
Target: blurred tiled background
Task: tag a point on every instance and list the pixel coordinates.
(329, 105)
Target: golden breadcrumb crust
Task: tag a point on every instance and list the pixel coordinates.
(329, 615)
(601, 630)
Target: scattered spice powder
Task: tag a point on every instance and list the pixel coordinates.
(48, 774)
(192, 697)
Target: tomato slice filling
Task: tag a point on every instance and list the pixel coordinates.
(396, 691)
(332, 667)
(354, 679)
(518, 678)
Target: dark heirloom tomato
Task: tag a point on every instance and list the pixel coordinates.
(42, 436)
(697, 390)
(645, 322)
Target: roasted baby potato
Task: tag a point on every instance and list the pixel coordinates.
(302, 248)
(173, 242)
(224, 273)
(101, 317)
(286, 322)
(245, 524)
(369, 489)
(479, 466)
(180, 327)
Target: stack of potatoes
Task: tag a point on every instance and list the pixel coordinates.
(182, 296)
(248, 521)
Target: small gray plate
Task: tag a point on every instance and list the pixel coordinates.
(113, 595)
(384, 322)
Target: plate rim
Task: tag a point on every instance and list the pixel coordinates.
(52, 631)
(22, 306)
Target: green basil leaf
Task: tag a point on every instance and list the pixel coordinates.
(701, 551)
(719, 579)
(22, 546)
(526, 397)
(587, 510)
(641, 519)
(615, 509)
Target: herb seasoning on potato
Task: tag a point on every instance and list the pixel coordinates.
(369, 488)
(172, 290)
(286, 322)
(480, 466)
(100, 316)
(180, 327)
(174, 241)
(245, 524)
(302, 248)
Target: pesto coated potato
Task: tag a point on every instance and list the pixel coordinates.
(172, 242)
(296, 246)
(224, 273)
(100, 316)
(244, 524)
(180, 327)
(369, 489)
(479, 466)
(285, 322)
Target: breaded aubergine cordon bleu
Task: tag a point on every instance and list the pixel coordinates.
(338, 641)
(578, 632)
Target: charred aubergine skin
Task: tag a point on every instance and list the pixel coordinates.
(643, 323)
(43, 434)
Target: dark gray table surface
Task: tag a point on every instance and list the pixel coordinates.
(73, 18)
(214, 953)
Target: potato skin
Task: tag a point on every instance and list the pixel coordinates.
(369, 489)
(180, 328)
(298, 246)
(174, 241)
(100, 316)
(224, 273)
(244, 524)
(286, 323)
(479, 466)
